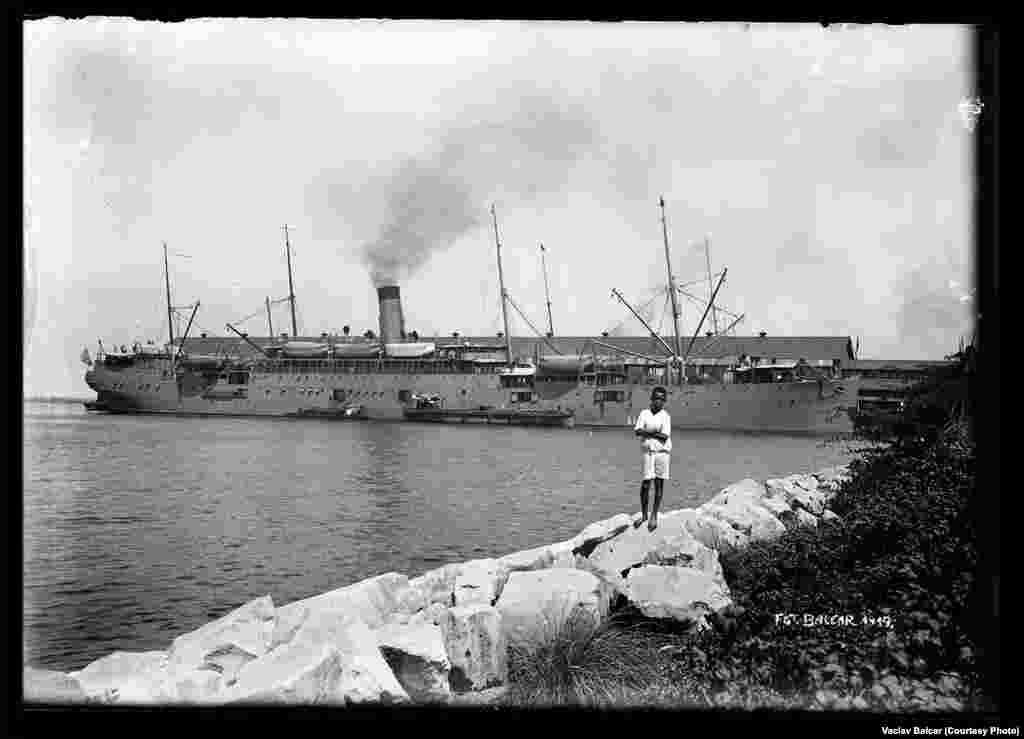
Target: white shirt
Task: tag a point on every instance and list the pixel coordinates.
(660, 422)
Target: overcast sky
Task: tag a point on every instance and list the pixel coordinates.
(829, 169)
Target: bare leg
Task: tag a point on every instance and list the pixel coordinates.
(644, 487)
(659, 489)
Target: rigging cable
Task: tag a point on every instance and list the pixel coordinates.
(643, 306)
(249, 317)
(539, 334)
(702, 302)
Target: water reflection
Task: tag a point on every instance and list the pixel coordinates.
(385, 468)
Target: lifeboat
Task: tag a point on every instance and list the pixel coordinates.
(356, 351)
(409, 350)
(559, 365)
(150, 350)
(305, 350)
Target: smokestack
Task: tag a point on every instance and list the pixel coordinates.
(392, 324)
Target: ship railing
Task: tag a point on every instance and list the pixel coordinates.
(364, 366)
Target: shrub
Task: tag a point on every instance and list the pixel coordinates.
(904, 552)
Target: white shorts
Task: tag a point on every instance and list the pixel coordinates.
(656, 465)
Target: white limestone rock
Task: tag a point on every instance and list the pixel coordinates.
(438, 585)
(692, 554)
(796, 494)
(614, 582)
(332, 658)
(435, 612)
(417, 657)
(671, 543)
(294, 674)
(193, 686)
(479, 581)
(775, 505)
(833, 475)
(712, 532)
(807, 482)
(249, 629)
(544, 557)
(51, 687)
(538, 558)
(831, 479)
(127, 678)
(751, 491)
(476, 647)
(534, 605)
(601, 531)
(431, 614)
(806, 518)
(373, 600)
(746, 489)
(286, 623)
(226, 662)
(411, 600)
(679, 593)
(564, 560)
(830, 516)
(747, 517)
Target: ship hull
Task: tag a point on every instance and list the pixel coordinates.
(153, 387)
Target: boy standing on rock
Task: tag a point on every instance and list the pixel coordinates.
(654, 426)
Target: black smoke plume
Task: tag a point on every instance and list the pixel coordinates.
(436, 198)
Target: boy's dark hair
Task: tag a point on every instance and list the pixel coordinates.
(660, 391)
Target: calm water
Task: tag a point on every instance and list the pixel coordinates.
(137, 529)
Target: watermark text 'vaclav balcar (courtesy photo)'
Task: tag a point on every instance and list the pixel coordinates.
(951, 730)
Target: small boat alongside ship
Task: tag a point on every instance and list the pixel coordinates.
(484, 414)
(720, 382)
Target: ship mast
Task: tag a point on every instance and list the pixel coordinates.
(291, 288)
(706, 309)
(547, 293)
(270, 324)
(167, 281)
(501, 283)
(672, 289)
(714, 312)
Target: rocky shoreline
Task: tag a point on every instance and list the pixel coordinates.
(443, 637)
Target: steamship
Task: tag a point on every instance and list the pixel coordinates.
(773, 384)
